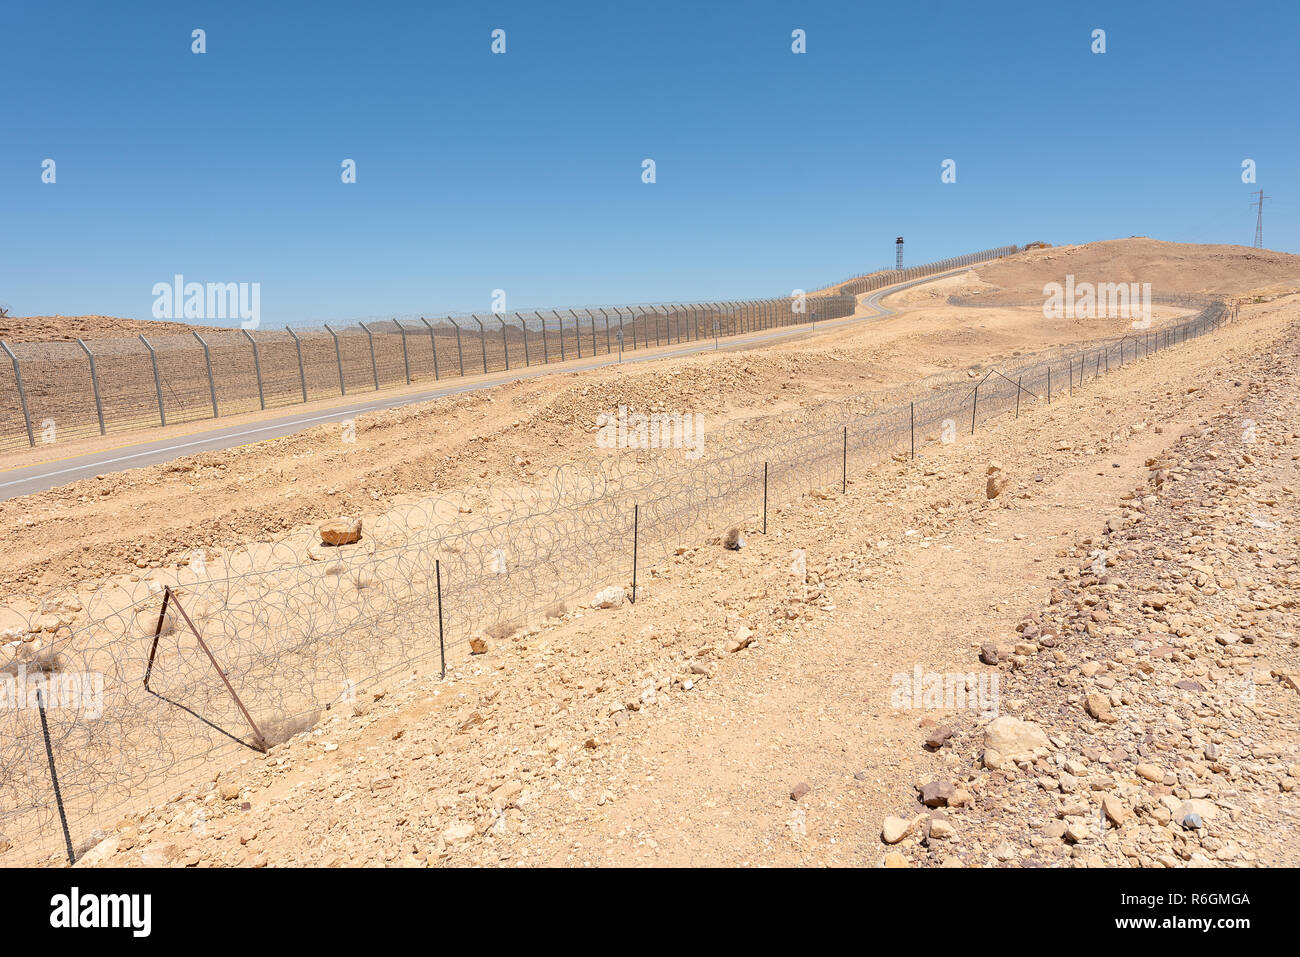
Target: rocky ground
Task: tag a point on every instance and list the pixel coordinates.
(1129, 577)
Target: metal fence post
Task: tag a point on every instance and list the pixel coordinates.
(212, 383)
(563, 354)
(636, 527)
(302, 372)
(257, 367)
(406, 358)
(157, 380)
(460, 353)
(546, 345)
(22, 393)
(605, 316)
(577, 331)
(433, 344)
(505, 344)
(524, 329)
(94, 384)
(442, 648)
(54, 777)
(374, 367)
(338, 354)
(482, 340)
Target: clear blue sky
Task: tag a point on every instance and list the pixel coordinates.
(523, 171)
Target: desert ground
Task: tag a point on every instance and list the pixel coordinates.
(1120, 565)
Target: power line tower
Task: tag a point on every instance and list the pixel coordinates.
(1259, 220)
(898, 260)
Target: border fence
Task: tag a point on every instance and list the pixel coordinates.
(123, 696)
(59, 390)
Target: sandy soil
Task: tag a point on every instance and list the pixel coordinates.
(744, 713)
(633, 734)
(89, 328)
(514, 434)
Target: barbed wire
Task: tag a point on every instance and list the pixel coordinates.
(150, 684)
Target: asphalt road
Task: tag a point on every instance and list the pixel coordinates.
(28, 479)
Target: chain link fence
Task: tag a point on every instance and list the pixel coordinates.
(51, 391)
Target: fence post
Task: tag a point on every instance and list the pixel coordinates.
(406, 358)
(505, 345)
(22, 393)
(1049, 381)
(157, 380)
(524, 329)
(563, 355)
(577, 332)
(338, 354)
(212, 383)
(54, 776)
(844, 464)
(433, 345)
(764, 498)
(973, 406)
(94, 384)
(636, 528)
(546, 343)
(482, 340)
(1018, 381)
(374, 368)
(460, 353)
(912, 426)
(257, 367)
(442, 648)
(608, 348)
(302, 372)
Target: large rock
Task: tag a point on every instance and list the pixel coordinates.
(611, 597)
(1011, 739)
(341, 531)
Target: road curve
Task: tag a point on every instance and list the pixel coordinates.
(30, 479)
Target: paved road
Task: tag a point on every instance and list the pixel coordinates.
(28, 479)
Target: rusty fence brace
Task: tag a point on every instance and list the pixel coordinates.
(168, 597)
(636, 528)
(54, 777)
(94, 384)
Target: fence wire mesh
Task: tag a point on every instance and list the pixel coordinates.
(251, 649)
(76, 389)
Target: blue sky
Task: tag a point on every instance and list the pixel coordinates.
(522, 171)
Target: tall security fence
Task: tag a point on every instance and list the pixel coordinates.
(52, 391)
(125, 695)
